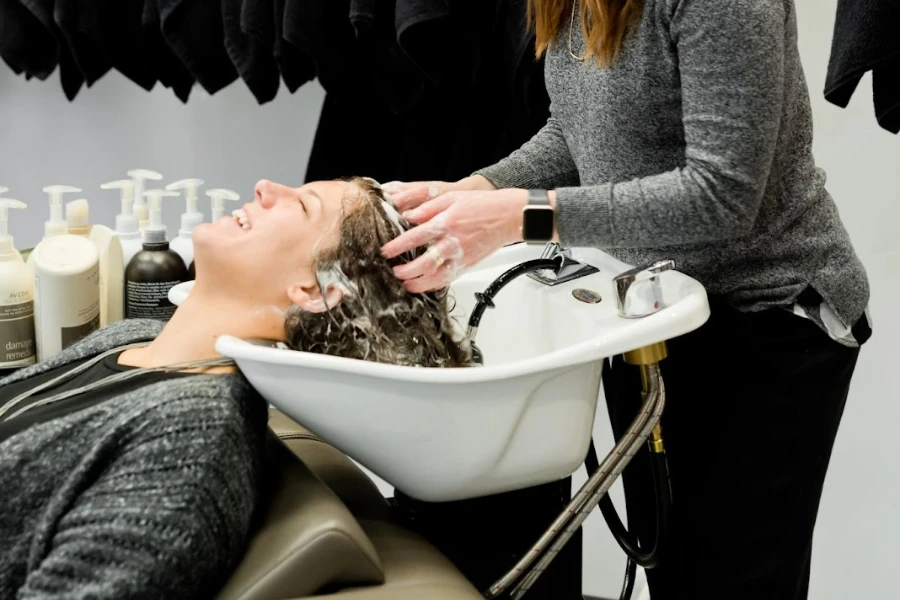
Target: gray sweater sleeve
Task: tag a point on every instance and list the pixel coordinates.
(731, 57)
(159, 514)
(544, 162)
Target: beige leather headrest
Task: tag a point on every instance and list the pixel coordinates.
(307, 540)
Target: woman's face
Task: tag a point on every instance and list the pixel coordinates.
(270, 258)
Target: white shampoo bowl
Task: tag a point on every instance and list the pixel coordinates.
(523, 419)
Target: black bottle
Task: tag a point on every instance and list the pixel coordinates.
(150, 275)
(192, 273)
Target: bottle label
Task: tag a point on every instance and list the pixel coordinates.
(149, 300)
(17, 347)
(70, 335)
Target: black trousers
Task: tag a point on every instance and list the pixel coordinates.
(485, 537)
(754, 401)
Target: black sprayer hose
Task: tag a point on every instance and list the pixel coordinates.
(628, 582)
(486, 298)
(626, 540)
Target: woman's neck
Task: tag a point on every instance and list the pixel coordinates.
(198, 322)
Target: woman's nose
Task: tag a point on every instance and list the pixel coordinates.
(269, 193)
(262, 191)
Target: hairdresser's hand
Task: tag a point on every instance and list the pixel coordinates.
(407, 196)
(461, 229)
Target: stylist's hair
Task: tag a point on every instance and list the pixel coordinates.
(604, 23)
(377, 319)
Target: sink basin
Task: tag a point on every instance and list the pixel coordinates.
(523, 419)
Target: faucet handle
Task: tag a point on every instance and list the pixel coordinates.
(639, 292)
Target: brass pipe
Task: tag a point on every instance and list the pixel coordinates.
(647, 355)
(656, 438)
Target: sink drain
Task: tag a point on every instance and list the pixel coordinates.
(584, 295)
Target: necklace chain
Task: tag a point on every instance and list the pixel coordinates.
(571, 30)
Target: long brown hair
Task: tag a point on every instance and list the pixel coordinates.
(379, 321)
(604, 24)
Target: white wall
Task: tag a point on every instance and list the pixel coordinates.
(231, 142)
(227, 140)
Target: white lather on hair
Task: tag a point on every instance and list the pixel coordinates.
(390, 210)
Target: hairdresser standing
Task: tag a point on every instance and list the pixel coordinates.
(681, 129)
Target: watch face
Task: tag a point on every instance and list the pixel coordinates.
(537, 224)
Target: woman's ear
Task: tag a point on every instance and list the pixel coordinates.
(309, 298)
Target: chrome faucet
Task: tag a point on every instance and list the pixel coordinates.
(639, 292)
(569, 268)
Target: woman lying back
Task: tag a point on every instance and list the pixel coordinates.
(147, 487)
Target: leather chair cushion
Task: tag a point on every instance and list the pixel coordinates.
(307, 540)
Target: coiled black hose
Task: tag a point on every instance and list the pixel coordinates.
(486, 298)
(626, 540)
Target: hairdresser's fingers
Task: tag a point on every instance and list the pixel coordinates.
(415, 194)
(431, 209)
(428, 283)
(410, 240)
(445, 254)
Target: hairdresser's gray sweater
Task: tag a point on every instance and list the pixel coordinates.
(147, 495)
(696, 146)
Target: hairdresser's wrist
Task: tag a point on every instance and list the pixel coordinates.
(516, 204)
(475, 183)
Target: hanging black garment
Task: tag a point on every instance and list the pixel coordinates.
(45, 50)
(296, 65)
(26, 44)
(104, 34)
(193, 29)
(254, 62)
(75, 18)
(166, 65)
(448, 87)
(867, 38)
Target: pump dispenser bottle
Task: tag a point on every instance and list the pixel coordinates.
(217, 197)
(138, 177)
(183, 244)
(126, 221)
(17, 344)
(154, 270)
(78, 217)
(57, 224)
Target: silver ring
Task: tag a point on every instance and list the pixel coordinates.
(436, 255)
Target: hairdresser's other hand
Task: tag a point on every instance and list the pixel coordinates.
(461, 229)
(410, 195)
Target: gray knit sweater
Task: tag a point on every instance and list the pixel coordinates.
(696, 146)
(150, 494)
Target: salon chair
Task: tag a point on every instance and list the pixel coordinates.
(325, 532)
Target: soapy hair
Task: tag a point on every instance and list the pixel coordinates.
(376, 319)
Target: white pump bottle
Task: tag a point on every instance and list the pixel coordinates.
(17, 340)
(183, 244)
(139, 176)
(57, 224)
(218, 197)
(126, 221)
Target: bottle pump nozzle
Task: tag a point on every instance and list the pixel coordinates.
(126, 221)
(156, 232)
(139, 176)
(192, 215)
(57, 224)
(6, 240)
(218, 197)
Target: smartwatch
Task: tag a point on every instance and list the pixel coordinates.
(538, 218)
